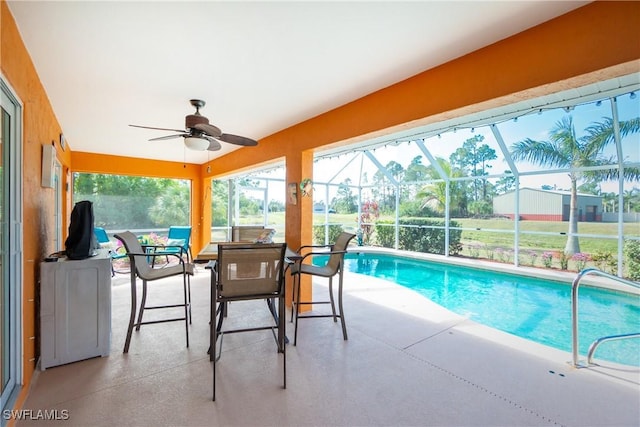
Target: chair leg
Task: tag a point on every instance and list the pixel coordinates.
(189, 296)
(187, 308)
(297, 310)
(212, 349)
(221, 313)
(142, 304)
(281, 338)
(333, 304)
(132, 316)
(293, 295)
(344, 325)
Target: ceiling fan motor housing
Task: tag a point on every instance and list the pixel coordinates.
(193, 119)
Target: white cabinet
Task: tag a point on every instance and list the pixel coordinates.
(75, 309)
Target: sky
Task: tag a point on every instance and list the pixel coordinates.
(535, 126)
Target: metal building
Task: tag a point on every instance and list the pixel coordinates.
(547, 205)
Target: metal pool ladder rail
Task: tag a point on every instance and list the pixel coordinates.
(574, 315)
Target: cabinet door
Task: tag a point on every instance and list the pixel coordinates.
(75, 311)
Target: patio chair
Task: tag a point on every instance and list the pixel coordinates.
(333, 266)
(252, 271)
(179, 242)
(105, 243)
(140, 268)
(246, 233)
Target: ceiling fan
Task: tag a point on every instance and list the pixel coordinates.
(199, 134)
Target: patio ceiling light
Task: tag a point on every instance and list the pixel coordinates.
(195, 143)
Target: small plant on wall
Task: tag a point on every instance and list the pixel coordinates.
(306, 187)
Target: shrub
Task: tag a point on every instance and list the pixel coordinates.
(547, 259)
(318, 233)
(581, 260)
(420, 236)
(370, 212)
(563, 258)
(605, 261)
(490, 252)
(632, 255)
(385, 234)
(415, 208)
(474, 250)
(455, 248)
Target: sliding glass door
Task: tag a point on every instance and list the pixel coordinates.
(10, 244)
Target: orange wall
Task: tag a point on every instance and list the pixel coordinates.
(595, 42)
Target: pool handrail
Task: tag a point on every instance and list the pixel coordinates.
(574, 315)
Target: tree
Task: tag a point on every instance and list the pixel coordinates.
(121, 202)
(565, 150)
(434, 194)
(506, 183)
(631, 199)
(414, 173)
(344, 201)
(474, 159)
(388, 195)
(172, 207)
(219, 203)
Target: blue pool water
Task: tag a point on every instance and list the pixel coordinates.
(538, 310)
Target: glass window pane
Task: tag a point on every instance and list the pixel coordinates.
(134, 203)
(629, 109)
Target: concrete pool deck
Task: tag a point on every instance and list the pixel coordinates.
(407, 362)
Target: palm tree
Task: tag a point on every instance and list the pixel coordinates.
(434, 194)
(565, 150)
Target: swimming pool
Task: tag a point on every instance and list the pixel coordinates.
(535, 309)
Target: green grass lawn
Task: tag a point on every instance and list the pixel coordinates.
(481, 231)
(552, 239)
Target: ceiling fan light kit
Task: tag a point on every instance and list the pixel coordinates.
(195, 143)
(200, 135)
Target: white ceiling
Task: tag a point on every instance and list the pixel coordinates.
(260, 66)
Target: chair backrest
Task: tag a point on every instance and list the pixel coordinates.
(252, 270)
(181, 232)
(132, 245)
(101, 235)
(341, 243)
(246, 233)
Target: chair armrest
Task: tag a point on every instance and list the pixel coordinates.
(155, 254)
(324, 253)
(312, 247)
(178, 248)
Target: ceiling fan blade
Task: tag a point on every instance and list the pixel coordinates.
(160, 138)
(208, 129)
(149, 127)
(237, 140)
(214, 145)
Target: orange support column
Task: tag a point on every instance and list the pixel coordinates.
(299, 216)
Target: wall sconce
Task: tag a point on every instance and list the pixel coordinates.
(292, 193)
